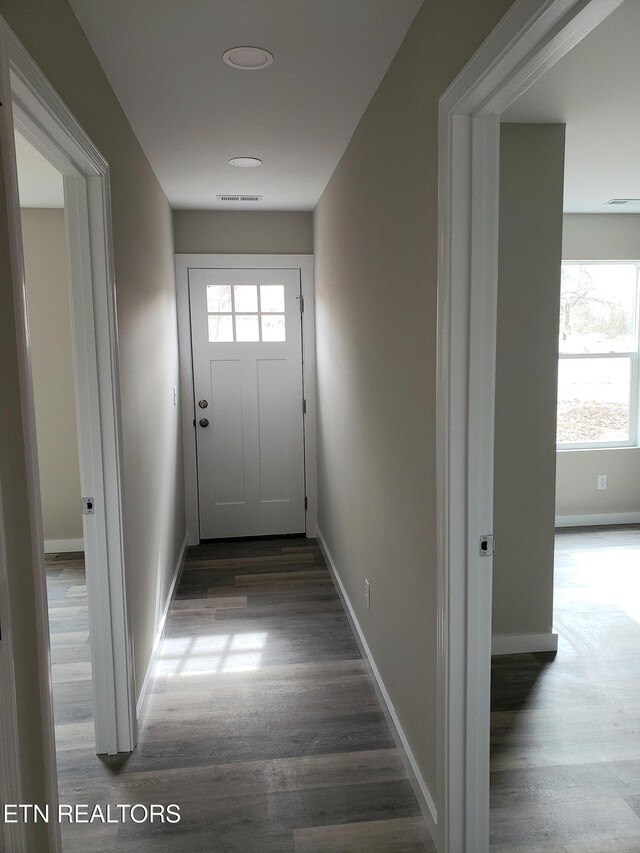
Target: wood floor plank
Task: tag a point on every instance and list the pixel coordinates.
(565, 783)
(347, 768)
(588, 824)
(401, 835)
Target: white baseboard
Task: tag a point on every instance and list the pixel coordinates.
(423, 795)
(142, 698)
(598, 519)
(519, 644)
(63, 546)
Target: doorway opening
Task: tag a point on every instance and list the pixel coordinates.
(50, 135)
(47, 287)
(571, 716)
(529, 41)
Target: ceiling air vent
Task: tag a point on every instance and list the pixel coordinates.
(239, 198)
(624, 201)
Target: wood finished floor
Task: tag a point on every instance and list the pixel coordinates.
(565, 733)
(262, 723)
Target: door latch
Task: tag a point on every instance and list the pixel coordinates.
(88, 506)
(486, 545)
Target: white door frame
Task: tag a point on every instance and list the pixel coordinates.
(530, 39)
(40, 115)
(303, 263)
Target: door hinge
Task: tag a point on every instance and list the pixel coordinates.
(306, 502)
(487, 545)
(301, 304)
(304, 407)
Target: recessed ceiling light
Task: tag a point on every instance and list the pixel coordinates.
(248, 58)
(245, 162)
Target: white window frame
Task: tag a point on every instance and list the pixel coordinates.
(633, 356)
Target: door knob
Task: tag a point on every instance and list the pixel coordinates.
(203, 422)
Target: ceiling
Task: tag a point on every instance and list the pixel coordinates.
(595, 90)
(192, 112)
(39, 183)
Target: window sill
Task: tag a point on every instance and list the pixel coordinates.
(582, 449)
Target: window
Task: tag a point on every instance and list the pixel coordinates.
(598, 368)
(245, 313)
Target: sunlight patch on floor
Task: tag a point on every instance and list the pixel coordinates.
(211, 654)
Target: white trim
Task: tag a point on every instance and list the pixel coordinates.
(304, 263)
(160, 631)
(598, 519)
(519, 644)
(63, 546)
(530, 39)
(423, 795)
(41, 115)
(597, 445)
(12, 835)
(587, 355)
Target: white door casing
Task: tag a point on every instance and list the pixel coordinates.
(247, 371)
(303, 267)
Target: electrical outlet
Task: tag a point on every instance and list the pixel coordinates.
(367, 594)
(602, 481)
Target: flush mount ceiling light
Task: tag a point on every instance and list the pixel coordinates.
(248, 58)
(245, 162)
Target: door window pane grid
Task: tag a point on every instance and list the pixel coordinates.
(246, 313)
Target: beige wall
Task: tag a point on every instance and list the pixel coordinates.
(47, 280)
(243, 232)
(143, 247)
(375, 242)
(577, 493)
(601, 237)
(595, 237)
(530, 254)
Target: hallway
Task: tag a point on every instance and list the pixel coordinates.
(262, 723)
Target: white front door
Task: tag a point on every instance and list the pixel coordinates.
(246, 338)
